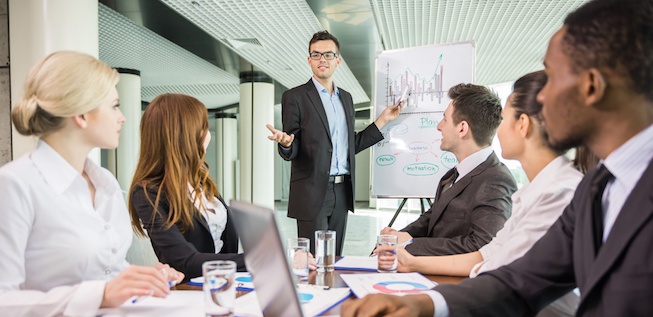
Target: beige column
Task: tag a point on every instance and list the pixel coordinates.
(256, 151)
(122, 161)
(226, 153)
(40, 27)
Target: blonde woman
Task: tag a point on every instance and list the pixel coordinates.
(172, 194)
(553, 180)
(65, 229)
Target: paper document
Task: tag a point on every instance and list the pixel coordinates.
(177, 303)
(387, 283)
(314, 301)
(357, 263)
(243, 281)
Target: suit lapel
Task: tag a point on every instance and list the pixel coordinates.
(314, 97)
(635, 213)
(199, 218)
(443, 199)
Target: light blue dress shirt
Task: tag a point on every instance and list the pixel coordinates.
(338, 129)
(627, 163)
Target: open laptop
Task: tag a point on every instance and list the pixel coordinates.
(266, 260)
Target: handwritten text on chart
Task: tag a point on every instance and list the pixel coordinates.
(426, 122)
(421, 169)
(384, 160)
(448, 160)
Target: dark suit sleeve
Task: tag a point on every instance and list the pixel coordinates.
(492, 205)
(419, 227)
(170, 244)
(368, 137)
(525, 286)
(291, 121)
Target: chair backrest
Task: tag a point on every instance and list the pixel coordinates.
(141, 252)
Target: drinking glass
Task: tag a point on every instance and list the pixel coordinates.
(386, 247)
(325, 250)
(297, 253)
(219, 288)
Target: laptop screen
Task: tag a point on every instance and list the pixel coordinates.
(266, 260)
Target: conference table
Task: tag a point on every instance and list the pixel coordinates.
(333, 279)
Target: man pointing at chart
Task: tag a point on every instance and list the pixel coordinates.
(318, 137)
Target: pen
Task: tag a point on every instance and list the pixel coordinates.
(324, 287)
(405, 243)
(137, 299)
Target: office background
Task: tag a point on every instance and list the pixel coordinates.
(226, 52)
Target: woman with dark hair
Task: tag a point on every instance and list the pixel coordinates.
(553, 180)
(172, 193)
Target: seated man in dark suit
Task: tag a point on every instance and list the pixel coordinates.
(472, 201)
(599, 93)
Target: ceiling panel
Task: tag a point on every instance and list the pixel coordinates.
(273, 35)
(165, 67)
(510, 35)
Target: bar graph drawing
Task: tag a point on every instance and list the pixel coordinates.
(409, 162)
(422, 87)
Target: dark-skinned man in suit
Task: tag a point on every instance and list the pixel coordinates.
(599, 93)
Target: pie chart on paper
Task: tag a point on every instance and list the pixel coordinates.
(391, 287)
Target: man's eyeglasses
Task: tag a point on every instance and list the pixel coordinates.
(316, 56)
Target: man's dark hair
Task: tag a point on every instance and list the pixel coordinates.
(323, 36)
(479, 107)
(616, 35)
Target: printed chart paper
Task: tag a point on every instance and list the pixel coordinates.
(387, 283)
(314, 301)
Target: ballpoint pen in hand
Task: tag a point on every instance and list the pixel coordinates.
(405, 243)
(171, 284)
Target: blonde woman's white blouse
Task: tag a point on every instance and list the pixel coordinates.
(58, 248)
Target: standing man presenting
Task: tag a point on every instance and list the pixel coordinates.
(319, 139)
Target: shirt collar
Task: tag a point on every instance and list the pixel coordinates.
(472, 161)
(544, 178)
(58, 173)
(628, 162)
(321, 88)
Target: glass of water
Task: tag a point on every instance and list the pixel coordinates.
(297, 253)
(386, 247)
(325, 250)
(219, 288)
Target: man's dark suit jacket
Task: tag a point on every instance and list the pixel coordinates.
(618, 281)
(468, 215)
(303, 115)
(185, 252)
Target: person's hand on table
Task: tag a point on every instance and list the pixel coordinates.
(402, 237)
(388, 305)
(404, 261)
(386, 260)
(135, 281)
(312, 264)
(173, 276)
